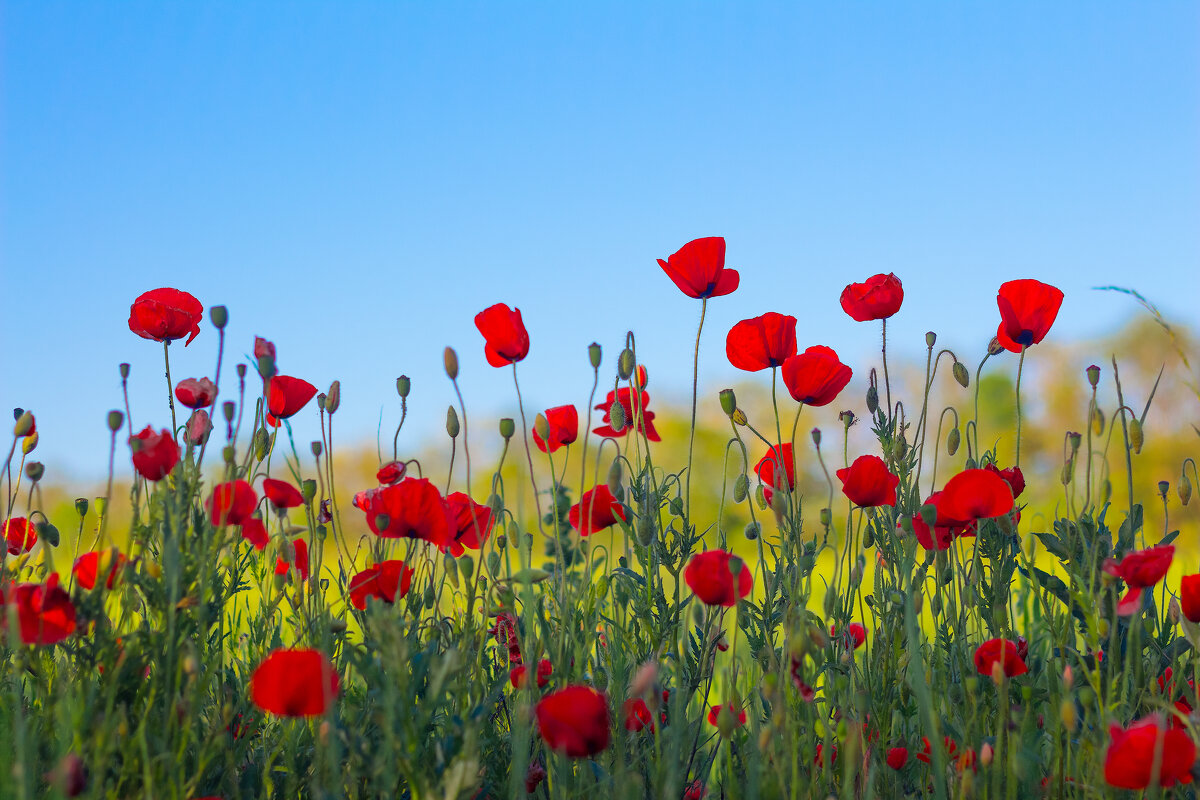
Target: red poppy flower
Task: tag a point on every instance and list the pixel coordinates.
(1027, 310)
(301, 548)
(471, 522)
(20, 535)
(714, 714)
(1012, 476)
(761, 342)
(637, 715)
(974, 494)
(255, 532)
(411, 509)
(294, 683)
(868, 483)
(154, 454)
(820, 752)
(625, 397)
(1189, 597)
(1129, 761)
(534, 776)
(596, 510)
(44, 611)
(388, 581)
(231, 503)
(263, 348)
(505, 339)
(518, 678)
(816, 376)
(199, 426)
(165, 315)
(878, 297)
(1140, 570)
(87, 567)
(286, 396)
(505, 631)
(768, 464)
(574, 721)
(950, 745)
(390, 473)
(563, 422)
(196, 392)
(696, 790)
(1002, 652)
(282, 494)
(710, 576)
(698, 268)
(943, 532)
(856, 633)
(897, 757)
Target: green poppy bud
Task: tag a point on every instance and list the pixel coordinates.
(1184, 489)
(646, 529)
(739, 417)
(261, 443)
(752, 531)
(115, 420)
(333, 397)
(266, 366)
(507, 427)
(616, 414)
(219, 315)
(452, 427)
(47, 532)
(450, 361)
(959, 370)
(24, 424)
(994, 346)
(1105, 491)
(953, 440)
(466, 566)
(541, 426)
(741, 487)
(728, 401)
(1068, 471)
(81, 506)
(493, 558)
(403, 385)
(30, 442)
(594, 353)
(1097, 420)
(1093, 375)
(101, 505)
(625, 364)
(382, 521)
(868, 541)
(615, 475)
(228, 454)
(872, 399)
(1137, 436)
(430, 596)
(826, 517)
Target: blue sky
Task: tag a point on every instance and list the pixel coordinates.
(356, 180)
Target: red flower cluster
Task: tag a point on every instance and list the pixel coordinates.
(294, 683)
(574, 721)
(698, 269)
(711, 577)
(762, 342)
(165, 315)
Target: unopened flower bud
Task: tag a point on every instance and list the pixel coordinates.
(625, 364)
(826, 517)
(899, 447)
(953, 440)
(403, 384)
(994, 346)
(1093, 374)
(266, 366)
(1137, 436)
(614, 476)
(199, 426)
(81, 506)
(728, 401)
(985, 752)
(452, 426)
(34, 470)
(382, 522)
(959, 371)
(308, 488)
(1184, 489)
(229, 454)
(726, 722)
(466, 566)
(1097, 420)
(541, 426)
(219, 315)
(1068, 472)
(752, 531)
(24, 424)
(646, 529)
(115, 420)
(30, 442)
(1066, 712)
(450, 361)
(1105, 491)
(594, 354)
(616, 415)
(333, 398)
(261, 443)
(872, 399)
(816, 437)
(739, 417)
(507, 427)
(741, 487)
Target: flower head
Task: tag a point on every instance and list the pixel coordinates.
(154, 454)
(878, 297)
(1140, 570)
(761, 342)
(231, 503)
(294, 683)
(718, 578)
(868, 482)
(1027, 310)
(286, 396)
(563, 425)
(196, 392)
(387, 581)
(596, 510)
(816, 376)
(1003, 652)
(698, 268)
(165, 315)
(574, 721)
(505, 339)
(1129, 761)
(768, 467)
(44, 611)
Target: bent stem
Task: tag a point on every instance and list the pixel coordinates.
(537, 500)
(692, 433)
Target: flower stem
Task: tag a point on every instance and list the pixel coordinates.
(1020, 368)
(537, 501)
(170, 386)
(887, 384)
(692, 432)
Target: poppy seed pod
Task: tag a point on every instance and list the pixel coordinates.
(24, 424)
(30, 442)
(115, 420)
(1137, 436)
(123, 368)
(1163, 488)
(333, 398)
(81, 506)
(1093, 375)
(594, 354)
(34, 470)
(930, 339)
(228, 409)
(507, 427)
(452, 426)
(403, 385)
(728, 401)
(219, 316)
(266, 366)
(321, 398)
(308, 489)
(241, 371)
(959, 370)
(816, 436)
(317, 448)
(625, 364)
(450, 361)
(953, 440)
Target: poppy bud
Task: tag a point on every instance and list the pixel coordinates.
(541, 426)
(266, 366)
(308, 488)
(625, 364)
(816, 436)
(1074, 439)
(24, 424)
(1105, 491)
(1097, 420)
(985, 752)
(994, 346)
(616, 415)
(899, 447)
(1093, 375)
(430, 596)
(1184, 489)
(831, 599)
(869, 538)
(115, 419)
(452, 427)
(450, 361)
(1163, 488)
(752, 530)
(872, 399)
(34, 470)
(953, 440)
(726, 722)
(229, 454)
(741, 487)
(739, 417)
(30, 442)
(970, 464)
(959, 371)
(81, 506)
(1136, 436)
(728, 401)
(1068, 471)
(70, 776)
(594, 353)
(199, 426)
(261, 443)
(466, 566)
(333, 398)
(646, 530)
(614, 476)
(1066, 713)
(826, 517)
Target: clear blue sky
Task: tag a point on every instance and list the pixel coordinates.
(356, 180)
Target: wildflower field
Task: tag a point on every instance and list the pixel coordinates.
(773, 611)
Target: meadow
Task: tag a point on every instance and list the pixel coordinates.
(977, 580)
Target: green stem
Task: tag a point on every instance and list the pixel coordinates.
(1020, 369)
(692, 432)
